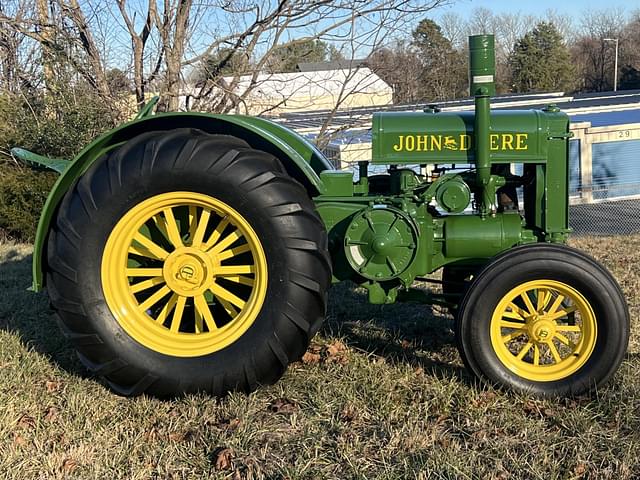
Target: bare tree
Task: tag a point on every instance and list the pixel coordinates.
(563, 22)
(481, 20)
(139, 39)
(593, 55)
(20, 59)
(399, 65)
(455, 28)
(164, 41)
(260, 31)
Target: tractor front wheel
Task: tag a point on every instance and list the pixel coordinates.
(185, 262)
(543, 319)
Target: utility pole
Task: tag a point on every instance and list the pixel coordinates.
(615, 71)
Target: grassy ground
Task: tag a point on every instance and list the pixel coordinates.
(383, 394)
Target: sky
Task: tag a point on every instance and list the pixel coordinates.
(538, 7)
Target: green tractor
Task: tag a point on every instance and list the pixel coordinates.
(187, 252)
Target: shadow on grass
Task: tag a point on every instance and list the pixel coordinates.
(413, 334)
(418, 335)
(27, 314)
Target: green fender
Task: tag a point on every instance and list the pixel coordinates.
(302, 159)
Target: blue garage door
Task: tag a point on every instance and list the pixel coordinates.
(616, 169)
(575, 179)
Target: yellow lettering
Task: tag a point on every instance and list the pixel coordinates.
(507, 141)
(465, 142)
(421, 143)
(400, 145)
(436, 142)
(410, 143)
(494, 141)
(450, 143)
(521, 139)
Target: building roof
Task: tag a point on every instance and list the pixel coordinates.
(604, 119)
(601, 109)
(309, 92)
(334, 65)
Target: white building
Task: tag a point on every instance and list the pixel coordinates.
(278, 93)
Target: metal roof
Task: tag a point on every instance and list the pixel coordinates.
(600, 108)
(604, 119)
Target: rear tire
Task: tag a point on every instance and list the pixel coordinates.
(275, 240)
(543, 319)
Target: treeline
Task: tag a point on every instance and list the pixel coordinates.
(553, 52)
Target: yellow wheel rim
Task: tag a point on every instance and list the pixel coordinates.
(184, 274)
(543, 330)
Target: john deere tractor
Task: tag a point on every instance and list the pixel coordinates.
(187, 252)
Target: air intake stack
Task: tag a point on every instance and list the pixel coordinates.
(482, 72)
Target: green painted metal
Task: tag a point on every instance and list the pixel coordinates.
(56, 164)
(464, 235)
(482, 65)
(472, 236)
(384, 232)
(302, 159)
(448, 137)
(147, 108)
(337, 183)
(453, 195)
(380, 243)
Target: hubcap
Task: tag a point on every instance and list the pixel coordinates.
(184, 274)
(188, 271)
(543, 330)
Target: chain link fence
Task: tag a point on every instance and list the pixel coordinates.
(606, 210)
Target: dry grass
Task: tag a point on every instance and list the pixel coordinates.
(395, 403)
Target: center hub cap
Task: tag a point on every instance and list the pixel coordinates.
(542, 330)
(188, 271)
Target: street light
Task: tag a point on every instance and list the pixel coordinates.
(615, 72)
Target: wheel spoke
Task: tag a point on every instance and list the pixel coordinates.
(241, 280)
(565, 340)
(233, 270)
(556, 304)
(155, 298)
(225, 294)
(536, 354)
(176, 320)
(568, 328)
(161, 223)
(173, 232)
(204, 312)
(226, 242)
(232, 252)
(554, 351)
(512, 315)
(145, 284)
(193, 222)
(506, 324)
(142, 252)
(543, 298)
(156, 250)
(201, 229)
(215, 235)
(233, 313)
(144, 272)
(166, 310)
(510, 336)
(197, 326)
(524, 350)
(516, 312)
(561, 313)
(527, 302)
